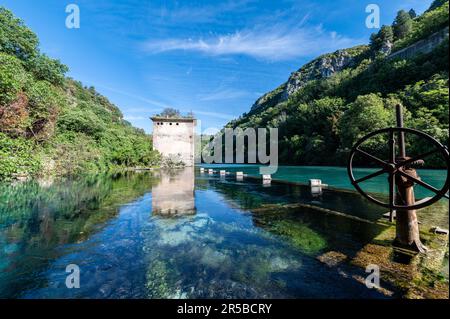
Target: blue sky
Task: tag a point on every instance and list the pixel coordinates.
(214, 58)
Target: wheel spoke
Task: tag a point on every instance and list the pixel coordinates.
(374, 158)
(415, 158)
(362, 179)
(418, 181)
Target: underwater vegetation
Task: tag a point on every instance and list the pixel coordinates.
(300, 236)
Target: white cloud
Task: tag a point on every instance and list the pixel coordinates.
(224, 94)
(134, 118)
(273, 42)
(223, 116)
(133, 96)
(149, 112)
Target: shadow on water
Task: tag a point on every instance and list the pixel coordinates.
(335, 232)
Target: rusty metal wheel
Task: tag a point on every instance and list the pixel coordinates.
(395, 166)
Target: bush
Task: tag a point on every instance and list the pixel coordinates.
(425, 25)
(75, 154)
(17, 156)
(14, 118)
(366, 114)
(12, 78)
(82, 121)
(44, 99)
(432, 94)
(45, 68)
(15, 38)
(44, 104)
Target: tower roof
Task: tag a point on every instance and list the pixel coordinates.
(172, 119)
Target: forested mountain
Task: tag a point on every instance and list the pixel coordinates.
(332, 101)
(51, 124)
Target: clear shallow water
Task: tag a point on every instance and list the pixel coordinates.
(153, 235)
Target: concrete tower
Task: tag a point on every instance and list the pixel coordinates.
(175, 136)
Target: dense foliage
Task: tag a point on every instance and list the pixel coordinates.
(51, 124)
(174, 113)
(325, 117)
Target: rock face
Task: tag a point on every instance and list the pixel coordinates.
(329, 64)
(320, 68)
(270, 99)
(386, 47)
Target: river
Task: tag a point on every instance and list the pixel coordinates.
(183, 234)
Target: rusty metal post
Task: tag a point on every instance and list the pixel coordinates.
(407, 227)
(401, 135)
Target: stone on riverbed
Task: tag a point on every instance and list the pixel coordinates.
(438, 230)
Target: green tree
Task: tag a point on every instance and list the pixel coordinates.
(363, 116)
(412, 13)
(12, 78)
(384, 38)
(17, 156)
(425, 25)
(170, 112)
(45, 68)
(402, 24)
(82, 121)
(436, 4)
(15, 38)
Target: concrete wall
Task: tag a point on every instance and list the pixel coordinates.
(423, 46)
(175, 137)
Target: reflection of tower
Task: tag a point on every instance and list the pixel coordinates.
(174, 194)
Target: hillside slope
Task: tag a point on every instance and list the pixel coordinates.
(332, 101)
(52, 125)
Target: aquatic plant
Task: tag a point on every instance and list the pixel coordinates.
(300, 235)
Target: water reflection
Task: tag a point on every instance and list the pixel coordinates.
(39, 219)
(228, 241)
(173, 195)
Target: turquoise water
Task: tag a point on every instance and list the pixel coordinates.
(182, 234)
(337, 176)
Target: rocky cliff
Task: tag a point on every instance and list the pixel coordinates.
(320, 68)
